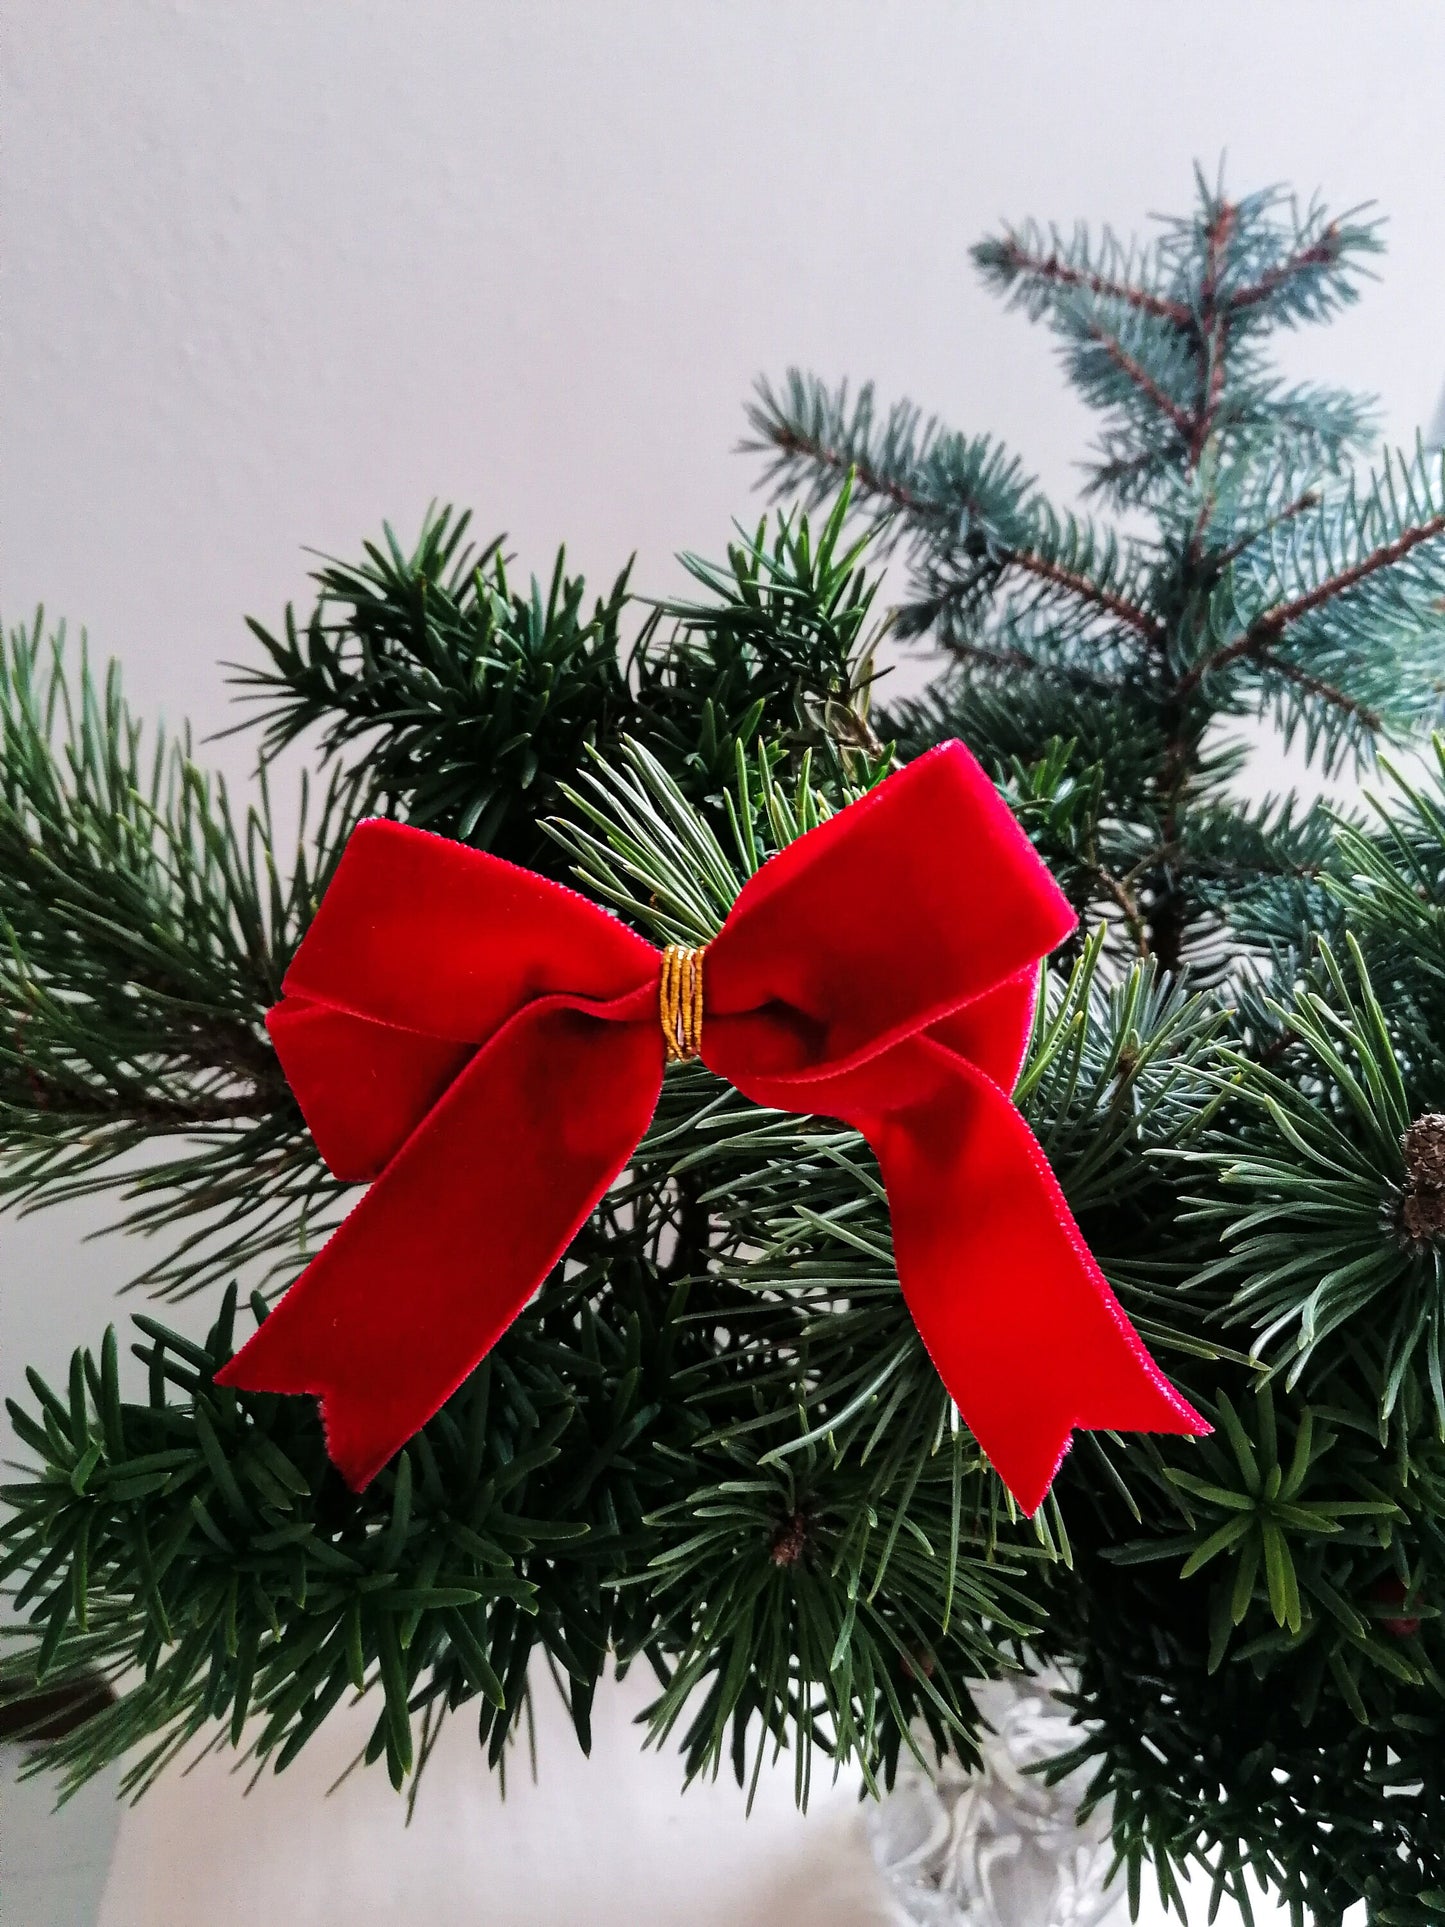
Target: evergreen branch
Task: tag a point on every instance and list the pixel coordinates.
(1011, 260)
(1385, 557)
(1344, 1275)
(1301, 504)
(1186, 425)
(785, 639)
(1257, 640)
(1213, 330)
(868, 479)
(1303, 428)
(465, 696)
(1042, 569)
(714, 1440)
(147, 931)
(1322, 253)
(815, 436)
(966, 650)
(946, 489)
(1217, 231)
(1128, 904)
(1339, 699)
(156, 1115)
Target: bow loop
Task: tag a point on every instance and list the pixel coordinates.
(420, 951)
(430, 936)
(907, 906)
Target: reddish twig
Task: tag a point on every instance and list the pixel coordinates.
(1318, 255)
(1127, 905)
(1053, 269)
(1117, 606)
(1018, 659)
(1382, 558)
(1009, 556)
(994, 658)
(1309, 500)
(1327, 690)
(1213, 332)
(50, 1097)
(867, 478)
(1256, 639)
(1145, 383)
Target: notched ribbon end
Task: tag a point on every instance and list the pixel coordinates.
(355, 1458)
(1030, 1472)
(350, 1436)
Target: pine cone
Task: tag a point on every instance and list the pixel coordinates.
(1422, 1212)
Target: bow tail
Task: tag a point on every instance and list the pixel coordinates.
(428, 1271)
(1027, 1336)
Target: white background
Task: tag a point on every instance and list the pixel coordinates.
(271, 270)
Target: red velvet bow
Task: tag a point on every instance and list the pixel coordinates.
(487, 1045)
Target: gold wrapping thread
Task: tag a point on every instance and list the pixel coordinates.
(680, 1001)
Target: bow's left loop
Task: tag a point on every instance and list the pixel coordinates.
(487, 1041)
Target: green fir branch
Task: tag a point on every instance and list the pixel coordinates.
(146, 928)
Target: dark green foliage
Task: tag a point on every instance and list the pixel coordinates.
(1279, 1780)
(637, 1383)
(471, 703)
(714, 1442)
(468, 699)
(144, 930)
(745, 1507)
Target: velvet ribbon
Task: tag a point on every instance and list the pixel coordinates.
(486, 1045)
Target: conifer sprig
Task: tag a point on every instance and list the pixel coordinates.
(762, 1519)
(146, 926)
(1273, 582)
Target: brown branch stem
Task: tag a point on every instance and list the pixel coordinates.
(867, 478)
(1051, 268)
(1327, 691)
(165, 1114)
(1182, 420)
(1027, 560)
(1127, 904)
(1257, 638)
(1309, 500)
(1117, 606)
(1018, 659)
(1384, 557)
(1213, 333)
(1318, 255)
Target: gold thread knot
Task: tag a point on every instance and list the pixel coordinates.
(680, 1001)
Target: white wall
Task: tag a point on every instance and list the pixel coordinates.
(273, 269)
